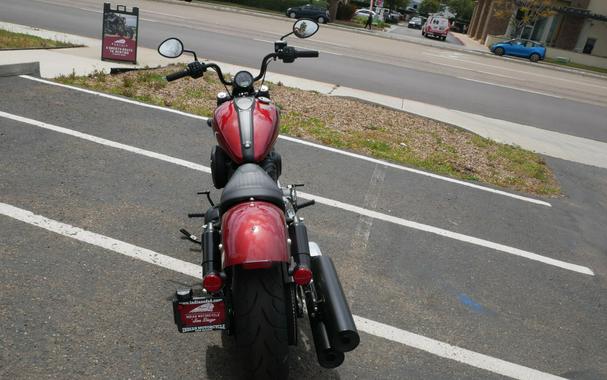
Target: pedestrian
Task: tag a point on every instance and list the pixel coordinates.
(369, 21)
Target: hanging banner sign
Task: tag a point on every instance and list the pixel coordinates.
(119, 35)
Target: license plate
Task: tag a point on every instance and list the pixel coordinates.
(200, 313)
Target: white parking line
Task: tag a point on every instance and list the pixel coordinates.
(319, 199)
(368, 326)
(102, 241)
(298, 141)
(420, 172)
(448, 234)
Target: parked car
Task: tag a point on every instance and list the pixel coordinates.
(532, 50)
(312, 12)
(392, 17)
(436, 26)
(415, 23)
(364, 13)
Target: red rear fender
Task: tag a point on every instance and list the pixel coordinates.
(254, 233)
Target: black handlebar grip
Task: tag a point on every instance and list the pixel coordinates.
(306, 54)
(177, 75)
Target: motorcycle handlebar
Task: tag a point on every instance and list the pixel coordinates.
(287, 58)
(306, 54)
(177, 75)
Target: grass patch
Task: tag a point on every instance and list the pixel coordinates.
(11, 40)
(372, 130)
(577, 65)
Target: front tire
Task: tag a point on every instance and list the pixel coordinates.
(534, 57)
(292, 15)
(260, 322)
(321, 20)
(499, 51)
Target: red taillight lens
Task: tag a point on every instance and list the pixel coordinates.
(212, 282)
(302, 275)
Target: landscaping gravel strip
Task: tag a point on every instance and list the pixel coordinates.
(351, 125)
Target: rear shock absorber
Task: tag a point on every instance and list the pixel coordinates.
(300, 250)
(211, 259)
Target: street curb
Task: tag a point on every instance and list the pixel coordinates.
(30, 68)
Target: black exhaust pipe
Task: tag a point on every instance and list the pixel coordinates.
(336, 313)
(327, 356)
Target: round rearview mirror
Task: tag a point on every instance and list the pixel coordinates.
(171, 48)
(305, 28)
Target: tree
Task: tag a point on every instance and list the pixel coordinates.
(429, 6)
(393, 4)
(462, 9)
(523, 12)
(333, 4)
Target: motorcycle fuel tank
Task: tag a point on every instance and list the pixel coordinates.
(246, 128)
(255, 234)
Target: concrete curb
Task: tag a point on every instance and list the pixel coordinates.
(29, 68)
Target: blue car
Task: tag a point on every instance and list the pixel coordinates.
(532, 50)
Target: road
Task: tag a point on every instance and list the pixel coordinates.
(499, 88)
(72, 309)
(403, 30)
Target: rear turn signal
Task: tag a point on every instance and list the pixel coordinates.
(212, 282)
(302, 275)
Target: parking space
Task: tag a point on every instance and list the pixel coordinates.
(110, 315)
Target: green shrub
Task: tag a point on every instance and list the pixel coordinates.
(362, 20)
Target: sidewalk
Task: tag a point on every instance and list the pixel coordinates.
(469, 43)
(79, 61)
(85, 60)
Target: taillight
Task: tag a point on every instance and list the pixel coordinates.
(302, 275)
(212, 282)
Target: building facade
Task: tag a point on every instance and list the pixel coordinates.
(577, 25)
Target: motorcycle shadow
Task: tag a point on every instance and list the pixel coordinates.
(222, 361)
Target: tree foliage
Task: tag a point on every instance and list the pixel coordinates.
(429, 6)
(461, 8)
(526, 12)
(394, 4)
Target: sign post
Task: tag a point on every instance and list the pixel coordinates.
(119, 34)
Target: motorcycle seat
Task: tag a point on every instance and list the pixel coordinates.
(250, 181)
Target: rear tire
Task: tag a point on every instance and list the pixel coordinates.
(499, 51)
(534, 57)
(260, 322)
(321, 20)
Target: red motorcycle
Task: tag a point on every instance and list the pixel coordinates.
(259, 269)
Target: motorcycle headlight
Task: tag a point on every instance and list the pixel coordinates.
(243, 79)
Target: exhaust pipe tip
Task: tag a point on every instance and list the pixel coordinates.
(327, 356)
(336, 312)
(346, 341)
(330, 358)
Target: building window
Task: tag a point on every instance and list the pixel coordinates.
(589, 46)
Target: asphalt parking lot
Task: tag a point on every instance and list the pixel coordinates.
(445, 280)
